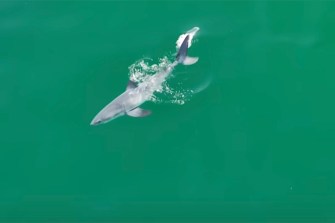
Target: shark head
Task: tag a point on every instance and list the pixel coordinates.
(110, 112)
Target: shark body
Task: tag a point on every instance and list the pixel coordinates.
(135, 95)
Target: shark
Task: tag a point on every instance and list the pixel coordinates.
(129, 102)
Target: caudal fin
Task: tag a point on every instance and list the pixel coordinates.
(182, 54)
(190, 60)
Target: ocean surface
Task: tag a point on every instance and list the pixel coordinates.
(247, 134)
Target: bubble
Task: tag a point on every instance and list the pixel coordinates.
(144, 68)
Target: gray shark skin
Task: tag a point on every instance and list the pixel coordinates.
(135, 95)
(182, 52)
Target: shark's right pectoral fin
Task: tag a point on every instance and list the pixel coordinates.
(138, 112)
(190, 60)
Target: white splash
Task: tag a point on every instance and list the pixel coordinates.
(191, 34)
(142, 69)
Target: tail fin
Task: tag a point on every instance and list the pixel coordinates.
(182, 54)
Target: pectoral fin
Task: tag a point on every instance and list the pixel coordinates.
(139, 112)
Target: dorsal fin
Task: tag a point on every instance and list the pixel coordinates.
(131, 85)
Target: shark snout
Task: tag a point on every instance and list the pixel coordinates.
(103, 118)
(95, 122)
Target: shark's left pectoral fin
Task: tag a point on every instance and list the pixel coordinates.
(138, 112)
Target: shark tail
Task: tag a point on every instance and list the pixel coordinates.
(182, 54)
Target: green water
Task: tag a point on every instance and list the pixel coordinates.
(258, 145)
